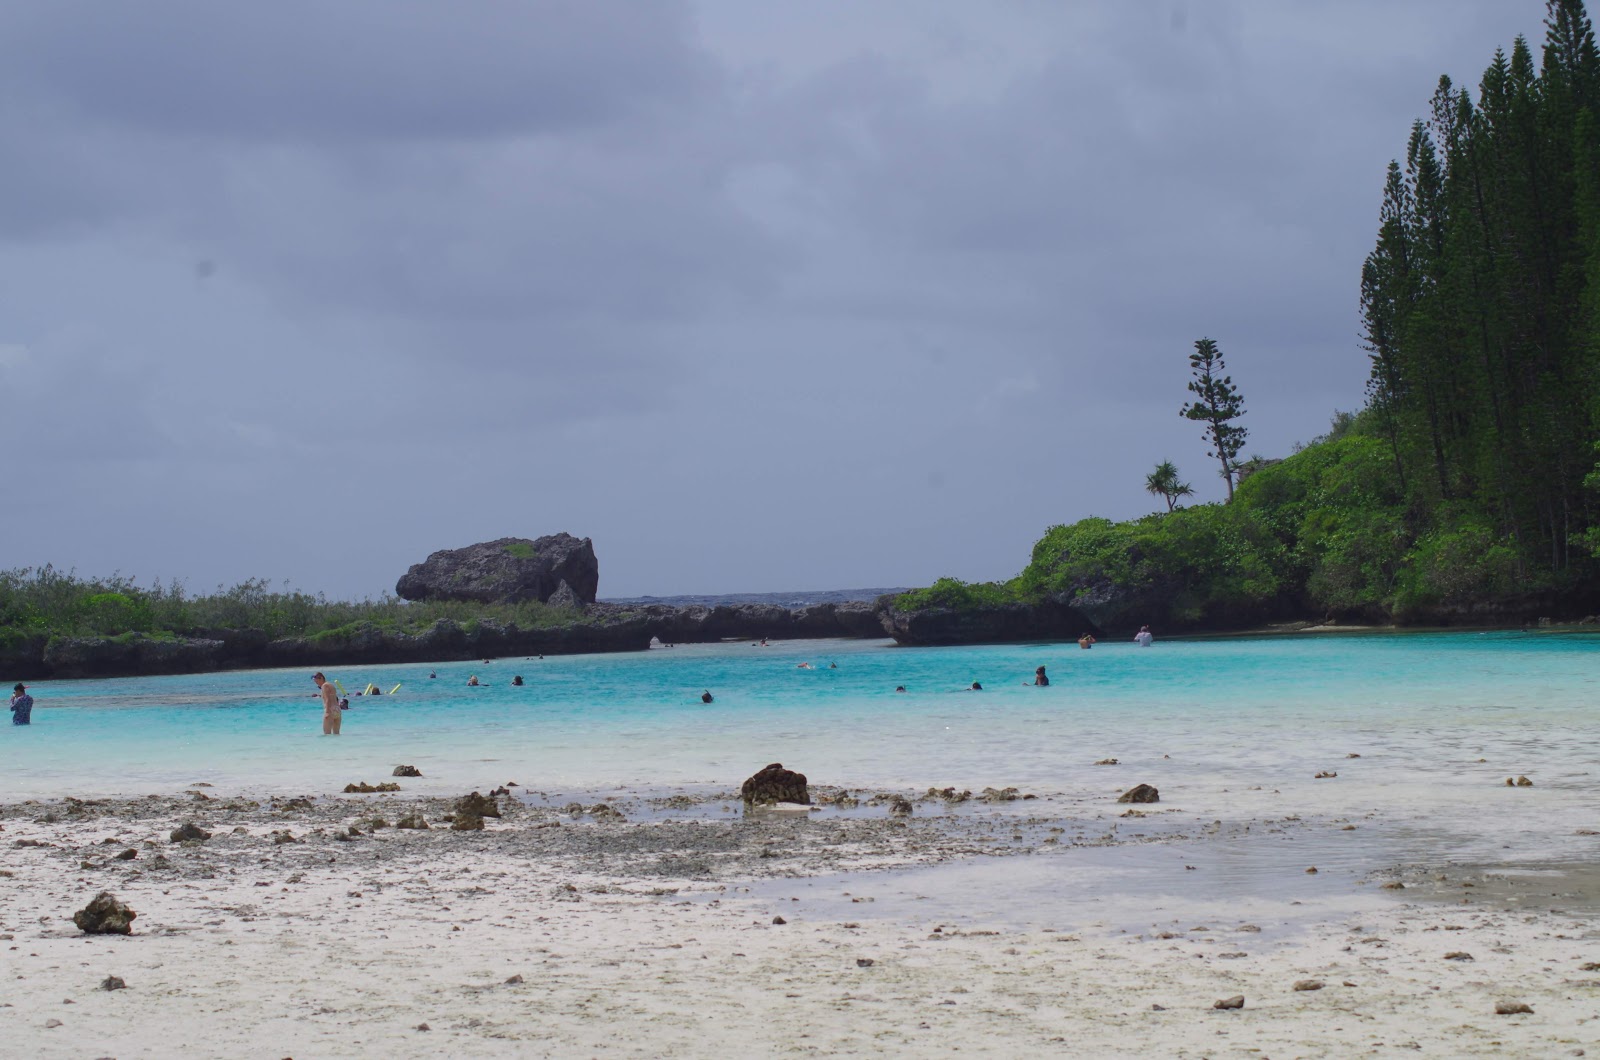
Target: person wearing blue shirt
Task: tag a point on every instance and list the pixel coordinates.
(21, 705)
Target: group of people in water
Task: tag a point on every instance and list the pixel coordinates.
(334, 704)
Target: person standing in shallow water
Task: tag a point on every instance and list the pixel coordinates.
(331, 718)
(21, 705)
(1039, 678)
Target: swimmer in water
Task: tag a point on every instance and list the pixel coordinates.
(804, 666)
(472, 682)
(517, 681)
(899, 688)
(976, 687)
(1086, 641)
(1039, 678)
(706, 696)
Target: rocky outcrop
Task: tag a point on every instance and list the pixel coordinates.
(775, 784)
(506, 570)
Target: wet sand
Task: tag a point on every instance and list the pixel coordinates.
(1059, 925)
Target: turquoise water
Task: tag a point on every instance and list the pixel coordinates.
(1225, 711)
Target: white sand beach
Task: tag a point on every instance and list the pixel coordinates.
(554, 934)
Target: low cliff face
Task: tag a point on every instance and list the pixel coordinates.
(507, 570)
(992, 624)
(594, 628)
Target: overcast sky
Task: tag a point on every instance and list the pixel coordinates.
(759, 296)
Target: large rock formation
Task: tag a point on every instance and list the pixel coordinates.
(507, 570)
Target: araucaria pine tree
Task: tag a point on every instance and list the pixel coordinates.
(1218, 404)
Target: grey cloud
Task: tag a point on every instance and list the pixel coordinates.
(758, 296)
(363, 69)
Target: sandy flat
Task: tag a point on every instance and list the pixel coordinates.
(657, 937)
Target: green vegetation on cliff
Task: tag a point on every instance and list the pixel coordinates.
(1468, 486)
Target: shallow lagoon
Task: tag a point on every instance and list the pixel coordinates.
(635, 720)
(1232, 731)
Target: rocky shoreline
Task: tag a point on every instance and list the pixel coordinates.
(601, 627)
(595, 628)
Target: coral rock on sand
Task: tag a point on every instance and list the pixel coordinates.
(113, 982)
(364, 788)
(104, 915)
(1236, 1001)
(1141, 793)
(476, 805)
(775, 784)
(189, 831)
(1512, 1008)
(1308, 984)
(1108, 762)
(406, 771)
(413, 821)
(999, 795)
(466, 822)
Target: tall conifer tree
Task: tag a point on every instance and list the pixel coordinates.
(1217, 404)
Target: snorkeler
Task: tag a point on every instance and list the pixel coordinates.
(706, 696)
(516, 681)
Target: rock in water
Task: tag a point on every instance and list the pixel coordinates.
(104, 915)
(1141, 793)
(775, 784)
(476, 805)
(900, 806)
(507, 570)
(189, 831)
(407, 771)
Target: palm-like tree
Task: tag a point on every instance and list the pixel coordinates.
(1163, 482)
